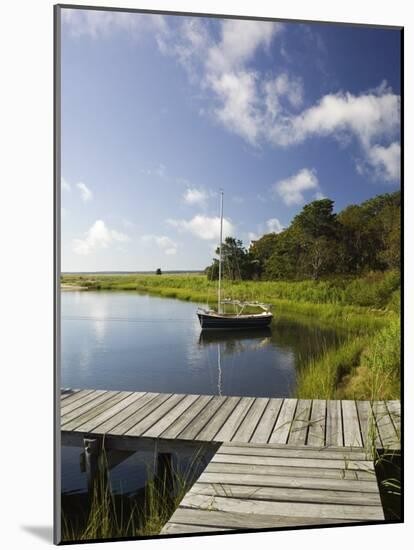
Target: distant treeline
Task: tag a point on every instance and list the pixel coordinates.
(319, 243)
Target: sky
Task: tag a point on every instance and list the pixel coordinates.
(158, 113)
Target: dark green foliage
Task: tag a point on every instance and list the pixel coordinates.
(237, 263)
(319, 244)
(158, 272)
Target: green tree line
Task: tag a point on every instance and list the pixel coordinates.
(320, 243)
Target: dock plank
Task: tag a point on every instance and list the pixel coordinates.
(334, 429)
(251, 420)
(352, 432)
(97, 410)
(173, 431)
(198, 423)
(293, 471)
(80, 399)
(94, 402)
(265, 427)
(366, 423)
(386, 430)
(286, 494)
(316, 432)
(218, 420)
(123, 427)
(234, 420)
(109, 425)
(125, 399)
(283, 425)
(300, 426)
(162, 424)
(157, 414)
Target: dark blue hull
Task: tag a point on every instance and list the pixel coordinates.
(225, 322)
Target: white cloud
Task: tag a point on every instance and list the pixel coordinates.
(98, 23)
(85, 192)
(291, 189)
(386, 161)
(97, 237)
(264, 108)
(204, 227)
(367, 116)
(195, 196)
(239, 42)
(164, 243)
(65, 185)
(274, 226)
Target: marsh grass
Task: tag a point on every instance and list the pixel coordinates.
(111, 516)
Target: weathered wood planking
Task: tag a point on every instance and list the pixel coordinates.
(217, 419)
(312, 487)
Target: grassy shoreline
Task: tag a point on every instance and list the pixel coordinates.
(368, 308)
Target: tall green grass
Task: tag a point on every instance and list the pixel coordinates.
(109, 518)
(365, 366)
(374, 290)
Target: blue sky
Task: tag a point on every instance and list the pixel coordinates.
(160, 112)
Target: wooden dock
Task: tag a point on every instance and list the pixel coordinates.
(247, 486)
(216, 419)
(275, 462)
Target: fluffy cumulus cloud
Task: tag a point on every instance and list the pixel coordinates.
(85, 192)
(97, 237)
(164, 243)
(261, 108)
(204, 227)
(194, 196)
(268, 108)
(292, 189)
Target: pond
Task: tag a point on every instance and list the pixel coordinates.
(134, 342)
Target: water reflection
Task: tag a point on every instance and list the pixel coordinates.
(127, 341)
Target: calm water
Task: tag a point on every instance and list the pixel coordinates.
(128, 341)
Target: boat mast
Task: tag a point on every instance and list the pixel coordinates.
(221, 240)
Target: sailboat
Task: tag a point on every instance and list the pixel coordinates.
(210, 319)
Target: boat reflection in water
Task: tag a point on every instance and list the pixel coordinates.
(259, 337)
(232, 343)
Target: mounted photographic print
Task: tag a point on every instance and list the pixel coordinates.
(228, 274)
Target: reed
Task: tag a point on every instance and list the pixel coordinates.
(109, 518)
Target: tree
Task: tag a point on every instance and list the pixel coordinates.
(317, 219)
(237, 263)
(158, 272)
